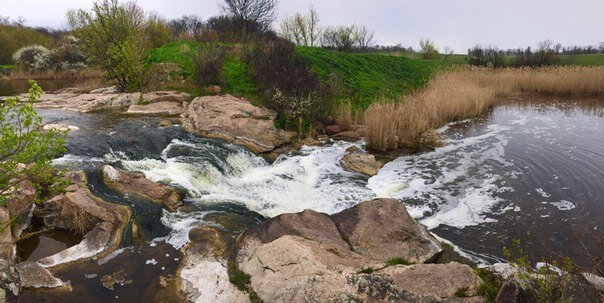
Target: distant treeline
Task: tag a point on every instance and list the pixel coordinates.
(546, 53)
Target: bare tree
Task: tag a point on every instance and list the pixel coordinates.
(340, 38)
(363, 37)
(428, 49)
(601, 47)
(447, 52)
(545, 45)
(261, 12)
(301, 30)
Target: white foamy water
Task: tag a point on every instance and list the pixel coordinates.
(451, 185)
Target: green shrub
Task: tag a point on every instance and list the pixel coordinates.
(398, 261)
(490, 285)
(208, 63)
(368, 271)
(462, 292)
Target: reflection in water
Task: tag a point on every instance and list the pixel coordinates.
(529, 171)
(15, 87)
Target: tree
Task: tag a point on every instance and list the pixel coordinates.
(339, 37)
(363, 37)
(428, 50)
(447, 52)
(301, 30)
(262, 12)
(601, 47)
(114, 37)
(26, 150)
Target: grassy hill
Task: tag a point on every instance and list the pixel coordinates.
(364, 78)
(237, 81)
(583, 60)
(361, 78)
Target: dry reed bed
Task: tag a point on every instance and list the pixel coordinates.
(467, 93)
(54, 75)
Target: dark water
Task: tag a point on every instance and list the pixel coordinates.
(532, 171)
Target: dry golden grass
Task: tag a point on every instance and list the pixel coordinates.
(466, 93)
(346, 116)
(55, 75)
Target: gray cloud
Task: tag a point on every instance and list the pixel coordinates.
(459, 24)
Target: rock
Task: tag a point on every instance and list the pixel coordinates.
(60, 127)
(236, 121)
(165, 123)
(596, 281)
(579, 289)
(138, 184)
(362, 162)
(164, 108)
(439, 280)
(101, 223)
(20, 207)
(204, 269)
(7, 247)
(212, 90)
(347, 136)
(35, 276)
(323, 138)
(294, 269)
(361, 130)
(308, 224)
(331, 130)
(516, 291)
(10, 282)
(85, 103)
(106, 90)
(166, 96)
(382, 229)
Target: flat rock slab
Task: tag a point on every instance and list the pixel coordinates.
(164, 108)
(33, 275)
(236, 121)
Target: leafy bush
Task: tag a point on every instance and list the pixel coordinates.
(23, 142)
(428, 49)
(33, 58)
(208, 65)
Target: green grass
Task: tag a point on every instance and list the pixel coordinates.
(364, 78)
(583, 60)
(398, 261)
(237, 81)
(9, 67)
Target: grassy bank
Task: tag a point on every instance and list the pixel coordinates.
(237, 81)
(467, 93)
(582, 60)
(363, 78)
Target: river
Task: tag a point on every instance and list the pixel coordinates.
(532, 171)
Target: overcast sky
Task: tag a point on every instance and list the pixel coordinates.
(459, 24)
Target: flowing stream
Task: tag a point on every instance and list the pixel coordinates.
(532, 171)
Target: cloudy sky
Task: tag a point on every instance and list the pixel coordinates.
(459, 24)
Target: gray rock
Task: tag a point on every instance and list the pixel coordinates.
(33, 275)
(106, 90)
(163, 108)
(362, 162)
(10, 282)
(382, 229)
(236, 121)
(579, 289)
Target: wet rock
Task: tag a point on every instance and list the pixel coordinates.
(579, 289)
(35, 276)
(331, 130)
(204, 270)
(518, 291)
(437, 280)
(10, 282)
(166, 96)
(362, 162)
(60, 127)
(349, 136)
(7, 248)
(101, 223)
(106, 90)
(138, 184)
(164, 108)
(236, 121)
(308, 224)
(382, 229)
(165, 123)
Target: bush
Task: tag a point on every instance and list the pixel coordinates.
(428, 49)
(33, 58)
(286, 82)
(67, 56)
(208, 65)
(487, 56)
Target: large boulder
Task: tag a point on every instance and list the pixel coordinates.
(163, 108)
(85, 103)
(236, 121)
(362, 162)
(382, 229)
(138, 184)
(314, 257)
(204, 270)
(33, 275)
(7, 245)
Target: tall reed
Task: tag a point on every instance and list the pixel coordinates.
(469, 92)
